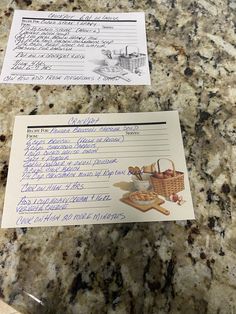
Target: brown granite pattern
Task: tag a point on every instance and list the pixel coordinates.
(144, 268)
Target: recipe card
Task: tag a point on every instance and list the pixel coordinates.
(76, 48)
(97, 168)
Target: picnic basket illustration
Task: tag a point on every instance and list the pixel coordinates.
(132, 60)
(168, 182)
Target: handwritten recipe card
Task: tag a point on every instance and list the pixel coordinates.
(76, 48)
(98, 168)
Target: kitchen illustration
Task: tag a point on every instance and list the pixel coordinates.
(117, 157)
(166, 184)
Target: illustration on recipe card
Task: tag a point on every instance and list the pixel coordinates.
(125, 64)
(155, 189)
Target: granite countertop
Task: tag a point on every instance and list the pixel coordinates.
(174, 267)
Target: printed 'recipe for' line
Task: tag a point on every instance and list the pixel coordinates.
(99, 168)
(76, 48)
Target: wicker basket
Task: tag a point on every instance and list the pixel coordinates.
(132, 61)
(172, 185)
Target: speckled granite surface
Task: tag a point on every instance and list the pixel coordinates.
(184, 267)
